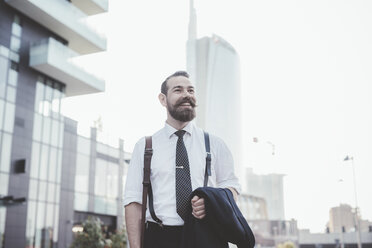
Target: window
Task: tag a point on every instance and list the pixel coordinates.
(52, 166)
(13, 74)
(11, 94)
(3, 70)
(51, 192)
(5, 152)
(35, 158)
(82, 173)
(31, 222)
(16, 29)
(9, 117)
(2, 110)
(44, 162)
(81, 202)
(32, 190)
(15, 43)
(4, 178)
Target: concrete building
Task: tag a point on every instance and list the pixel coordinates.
(270, 188)
(214, 66)
(252, 208)
(271, 233)
(343, 219)
(51, 178)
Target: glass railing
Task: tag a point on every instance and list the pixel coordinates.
(102, 3)
(64, 13)
(64, 10)
(63, 55)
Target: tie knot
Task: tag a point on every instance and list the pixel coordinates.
(180, 133)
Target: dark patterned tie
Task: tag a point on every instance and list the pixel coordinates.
(183, 180)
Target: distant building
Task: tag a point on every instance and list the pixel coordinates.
(341, 231)
(333, 240)
(50, 178)
(214, 66)
(252, 207)
(270, 233)
(343, 219)
(270, 188)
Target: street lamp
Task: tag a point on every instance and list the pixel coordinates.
(255, 140)
(347, 158)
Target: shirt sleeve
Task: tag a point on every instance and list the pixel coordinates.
(133, 185)
(224, 167)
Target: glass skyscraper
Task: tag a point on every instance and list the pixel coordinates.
(214, 65)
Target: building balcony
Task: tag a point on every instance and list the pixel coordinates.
(64, 19)
(55, 60)
(91, 7)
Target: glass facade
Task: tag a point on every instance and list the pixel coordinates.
(106, 187)
(9, 67)
(46, 165)
(82, 174)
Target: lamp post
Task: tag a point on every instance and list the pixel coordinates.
(255, 140)
(347, 158)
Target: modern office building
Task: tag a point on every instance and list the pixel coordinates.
(50, 178)
(270, 188)
(214, 66)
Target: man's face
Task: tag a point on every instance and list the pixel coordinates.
(180, 99)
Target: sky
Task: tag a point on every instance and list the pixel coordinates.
(306, 88)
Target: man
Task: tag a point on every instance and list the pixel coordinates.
(177, 168)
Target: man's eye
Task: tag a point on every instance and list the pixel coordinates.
(191, 91)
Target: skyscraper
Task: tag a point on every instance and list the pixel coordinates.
(214, 66)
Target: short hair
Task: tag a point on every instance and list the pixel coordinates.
(164, 86)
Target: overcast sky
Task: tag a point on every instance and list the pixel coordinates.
(306, 80)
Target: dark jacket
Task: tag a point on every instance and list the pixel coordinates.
(223, 222)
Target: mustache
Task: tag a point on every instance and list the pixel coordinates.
(189, 100)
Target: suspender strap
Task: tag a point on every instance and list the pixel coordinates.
(151, 208)
(208, 159)
(146, 185)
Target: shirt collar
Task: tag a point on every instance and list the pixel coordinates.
(171, 130)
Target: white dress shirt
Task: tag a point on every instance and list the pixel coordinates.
(163, 169)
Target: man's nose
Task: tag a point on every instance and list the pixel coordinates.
(186, 93)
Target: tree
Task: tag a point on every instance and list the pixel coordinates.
(91, 236)
(119, 239)
(287, 244)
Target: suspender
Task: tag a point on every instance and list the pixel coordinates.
(146, 185)
(208, 159)
(147, 189)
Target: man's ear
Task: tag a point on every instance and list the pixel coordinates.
(163, 99)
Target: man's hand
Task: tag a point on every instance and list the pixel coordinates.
(235, 194)
(198, 207)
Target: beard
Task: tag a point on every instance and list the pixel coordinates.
(182, 114)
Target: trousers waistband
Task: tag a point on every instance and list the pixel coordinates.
(150, 224)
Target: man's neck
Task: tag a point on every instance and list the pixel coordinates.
(176, 124)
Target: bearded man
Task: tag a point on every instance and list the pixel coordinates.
(177, 168)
